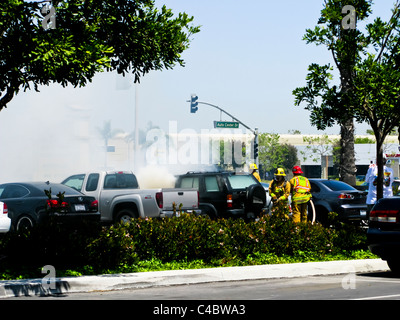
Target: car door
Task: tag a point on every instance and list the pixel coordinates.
(315, 192)
(91, 187)
(213, 193)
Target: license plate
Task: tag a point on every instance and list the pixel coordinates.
(80, 207)
(363, 213)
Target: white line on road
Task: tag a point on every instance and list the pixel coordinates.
(379, 297)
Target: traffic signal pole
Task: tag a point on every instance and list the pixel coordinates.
(193, 108)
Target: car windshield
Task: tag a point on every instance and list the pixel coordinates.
(75, 181)
(241, 181)
(335, 185)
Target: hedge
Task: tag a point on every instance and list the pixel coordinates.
(186, 239)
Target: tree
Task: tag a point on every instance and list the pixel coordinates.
(317, 147)
(374, 84)
(89, 36)
(378, 84)
(273, 155)
(330, 105)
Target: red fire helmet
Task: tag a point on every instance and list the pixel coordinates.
(297, 170)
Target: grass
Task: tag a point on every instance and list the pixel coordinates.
(158, 265)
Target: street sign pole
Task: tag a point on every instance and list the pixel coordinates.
(255, 132)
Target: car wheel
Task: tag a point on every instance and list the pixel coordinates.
(125, 216)
(322, 216)
(394, 265)
(24, 223)
(207, 212)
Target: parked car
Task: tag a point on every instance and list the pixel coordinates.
(338, 196)
(5, 221)
(226, 194)
(383, 234)
(28, 203)
(121, 199)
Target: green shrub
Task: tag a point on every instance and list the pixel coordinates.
(186, 239)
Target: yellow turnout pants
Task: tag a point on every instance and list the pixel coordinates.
(299, 212)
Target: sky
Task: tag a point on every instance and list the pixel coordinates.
(247, 59)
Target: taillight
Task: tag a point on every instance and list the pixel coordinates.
(94, 205)
(345, 196)
(159, 200)
(384, 215)
(5, 209)
(229, 201)
(54, 204)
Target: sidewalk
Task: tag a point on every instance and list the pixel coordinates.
(29, 287)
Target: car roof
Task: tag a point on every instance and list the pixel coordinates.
(37, 184)
(216, 172)
(41, 186)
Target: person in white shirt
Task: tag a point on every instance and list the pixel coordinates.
(372, 177)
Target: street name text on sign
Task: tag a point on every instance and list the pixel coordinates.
(226, 124)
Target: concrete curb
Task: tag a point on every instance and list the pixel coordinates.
(30, 287)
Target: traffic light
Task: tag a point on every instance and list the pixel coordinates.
(255, 150)
(193, 103)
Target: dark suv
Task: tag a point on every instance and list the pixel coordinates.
(384, 231)
(226, 194)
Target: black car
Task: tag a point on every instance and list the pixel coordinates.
(339, 197)
(28, 204)
(226, 194)
(383, 234)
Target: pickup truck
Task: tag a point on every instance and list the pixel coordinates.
(121, 199)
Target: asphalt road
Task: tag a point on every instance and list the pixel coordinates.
(360, 286)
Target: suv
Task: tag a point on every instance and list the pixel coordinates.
(383, 234)
(226, 194)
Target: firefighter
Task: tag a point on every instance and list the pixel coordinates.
(279, 190)
(253, 167)
(301, 195)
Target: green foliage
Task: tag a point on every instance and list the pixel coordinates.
(272, 154)
(181, 242)
(363, 140)
(368, 63)
(89, 37)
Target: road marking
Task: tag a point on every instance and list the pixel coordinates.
(377, 280)
(379, 297)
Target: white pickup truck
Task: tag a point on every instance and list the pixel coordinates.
(121, 199)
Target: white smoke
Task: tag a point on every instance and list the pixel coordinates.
(152, 177)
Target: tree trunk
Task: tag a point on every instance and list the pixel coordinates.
(347, 168)
(379, 162)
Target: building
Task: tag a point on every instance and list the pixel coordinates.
(316, 157)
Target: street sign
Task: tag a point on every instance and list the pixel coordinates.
(226, 124)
